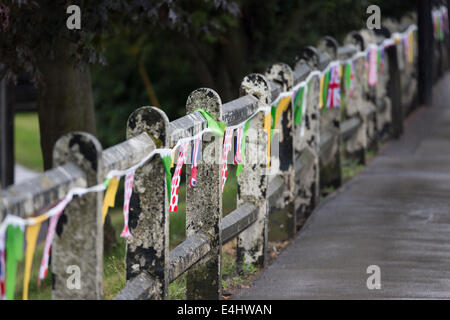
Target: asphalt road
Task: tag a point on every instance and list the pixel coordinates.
(395, 215)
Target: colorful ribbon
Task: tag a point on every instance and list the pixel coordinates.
(282, 106)
(14, 250)
(243, 143)
(31, 235)
(267, 129)
(167, 161)
(304, 108)
(2, 266)
(349, 78)
(322, 79)
(128, 190)
(173, 207)
(49, 240)
(216, 127)
(373, 66)
(324, 91)
(227, 144)
(110, 196)
(334, 88)
(195, 157)
(238, 145)
(298, 106)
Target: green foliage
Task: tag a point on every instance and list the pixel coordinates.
(177, 289)
(351, 168)
(216, 48)
(232, 275)
(33, 29)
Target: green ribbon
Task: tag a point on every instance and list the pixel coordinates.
(326, 81)
(244, 135)
(348, 76)
(106, 182)
(217, 127)
(298, 106)
(14, 251)
(167, 161)
(378, 61)
(273, 112)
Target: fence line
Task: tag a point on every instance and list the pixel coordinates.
(308, 151)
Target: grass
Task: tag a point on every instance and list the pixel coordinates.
(42, 292)
(351, 168)
(27, 145)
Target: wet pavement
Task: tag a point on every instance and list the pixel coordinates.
(395, 215)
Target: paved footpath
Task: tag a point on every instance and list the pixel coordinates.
(395, 214)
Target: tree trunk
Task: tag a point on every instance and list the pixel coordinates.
(65, 104)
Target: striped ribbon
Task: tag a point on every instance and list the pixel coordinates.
(226, 148)
(175, 186)
(2, 267)
(373, 65)
(49, 238)
(238, 145)
(195, 157)
(129, 180)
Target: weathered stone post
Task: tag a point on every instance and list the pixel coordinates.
(253, 179)
(306, 146)
(330, 123)
(394, 87)
(77, 250)
(383, 102)
(204, 202)
(283, 75)
(148, 249)
(356, 145)
(409, 85)
(369, 94)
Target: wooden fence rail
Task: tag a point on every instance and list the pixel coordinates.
(303, 167)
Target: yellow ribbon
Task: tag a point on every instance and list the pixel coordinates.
(282, 107)
(31, 237)
(110, 196)
(320, 92)
(267, 126)
(173, 159)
